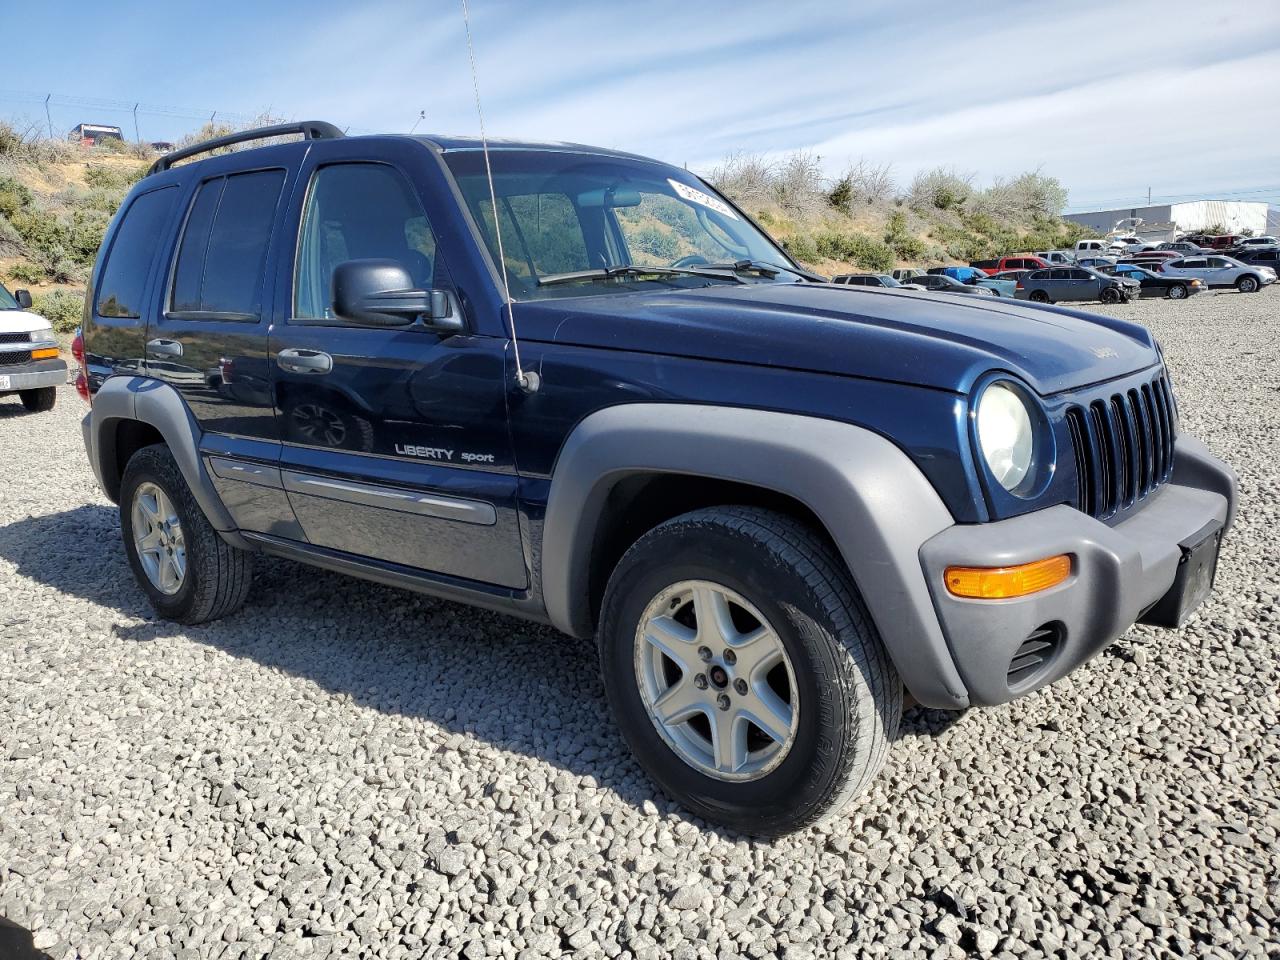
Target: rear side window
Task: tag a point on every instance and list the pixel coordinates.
(224, 247)
(132, 251)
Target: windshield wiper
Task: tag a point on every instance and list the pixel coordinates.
(631, 270)
(763, 268)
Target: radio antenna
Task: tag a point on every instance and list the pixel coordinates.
(527, 381)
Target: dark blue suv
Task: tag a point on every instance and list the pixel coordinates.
(776, 503)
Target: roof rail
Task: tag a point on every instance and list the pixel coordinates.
(310, 130)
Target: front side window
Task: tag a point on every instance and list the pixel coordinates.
(134, 248)
(358, 211)
(572, 213)
(7, 300)
(223, 252)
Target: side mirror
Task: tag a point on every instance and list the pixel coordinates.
(380, 293)
(24, 298)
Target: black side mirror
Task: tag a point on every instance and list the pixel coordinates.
(24, 299)
(380, 293)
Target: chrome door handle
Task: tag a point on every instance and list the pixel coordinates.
(304, 361)
(164, 348)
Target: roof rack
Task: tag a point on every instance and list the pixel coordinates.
(310, 130)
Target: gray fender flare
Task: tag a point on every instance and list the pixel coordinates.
(874, 502)
(161, 406)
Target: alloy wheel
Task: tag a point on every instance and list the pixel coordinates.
(158, 539)
(716, 681)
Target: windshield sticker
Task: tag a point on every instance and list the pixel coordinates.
(704, 199)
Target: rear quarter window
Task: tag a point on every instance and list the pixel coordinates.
(133, 250)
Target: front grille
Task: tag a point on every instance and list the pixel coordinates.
(1123, 445)
(10, 357)
(15, 338)
(1036, 651)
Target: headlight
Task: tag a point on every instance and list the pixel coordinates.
(1005, 434)
(43, 336)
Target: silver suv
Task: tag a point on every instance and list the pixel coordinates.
(1076, 283)
(1220, 271)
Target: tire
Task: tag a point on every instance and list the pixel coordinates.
(321, 422)
(794, 582)
(216, 577)
(1178, 291)
(1038, 296)
(38, 400)
(1248, 284)
(1110, 295)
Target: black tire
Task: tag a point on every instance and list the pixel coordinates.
(320, 421)
(38, 400)
(800, 585)
(1179, 291)
(218, 575)
(1111, 295)
(1038, 296)
(1248, 284)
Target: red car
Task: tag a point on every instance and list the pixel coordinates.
(1225, 241)
(1023, 261)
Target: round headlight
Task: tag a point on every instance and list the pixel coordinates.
(1005, 434)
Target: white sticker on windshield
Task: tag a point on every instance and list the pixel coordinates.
(694, 195)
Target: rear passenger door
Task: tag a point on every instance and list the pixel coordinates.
(395, 439)
(209, 339)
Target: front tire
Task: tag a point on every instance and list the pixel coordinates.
(188, 572)
(1248, 284)
(1111, 295)
(38, 400)
(744, 670)
(1178, 291)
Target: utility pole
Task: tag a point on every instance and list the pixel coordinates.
(48, 118)
(422, 115)
(1148, 196)
(136, 136)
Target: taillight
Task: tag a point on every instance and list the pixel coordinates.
(1019, 286)
(82, 377)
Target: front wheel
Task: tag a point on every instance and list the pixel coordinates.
(38, 400)
(744, 670)
(1111, 295)
(189, 573)
(1247, 284)
(1178, 291)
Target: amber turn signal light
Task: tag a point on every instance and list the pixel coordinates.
(44, 353)
(1003, 583)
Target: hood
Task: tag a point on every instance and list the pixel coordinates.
(21, 321)
(937, 340)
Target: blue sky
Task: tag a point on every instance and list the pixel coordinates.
(1112, 99)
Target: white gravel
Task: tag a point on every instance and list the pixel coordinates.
(346, 770)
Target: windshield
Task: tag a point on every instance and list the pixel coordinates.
(889, 282)
(583, 215)
(7, 302)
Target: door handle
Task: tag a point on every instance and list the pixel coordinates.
(164, 348)
(304, 361)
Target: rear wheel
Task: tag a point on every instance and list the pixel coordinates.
(1039, 296)
(1248, 284)
(189, 573)
(744, 670)
(1178, 291)
(38, 400)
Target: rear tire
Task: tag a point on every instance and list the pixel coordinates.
(778, 582)
(1038, 296)
(1178, 291)
(38, 400)
(1248, 284)
(188, 572)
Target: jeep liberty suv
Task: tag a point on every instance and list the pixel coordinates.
(776, 503)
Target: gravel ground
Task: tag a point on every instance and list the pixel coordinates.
(346, 770)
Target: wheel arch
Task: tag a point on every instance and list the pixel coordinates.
(129, 413)
(863, 492)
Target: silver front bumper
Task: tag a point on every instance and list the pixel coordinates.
(30, 376)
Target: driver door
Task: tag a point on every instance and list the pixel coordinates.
(395, 441)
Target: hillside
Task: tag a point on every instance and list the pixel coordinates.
(57, 198)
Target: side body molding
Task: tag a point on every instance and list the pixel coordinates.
(161, 406)
(873, 501)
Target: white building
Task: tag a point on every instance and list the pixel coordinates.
(1234, 216)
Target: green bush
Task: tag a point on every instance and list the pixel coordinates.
(802, 248)
(64, 309)
(23, 272)
(657, 243)
(898, 236)
(114, 177)
(855, 248)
